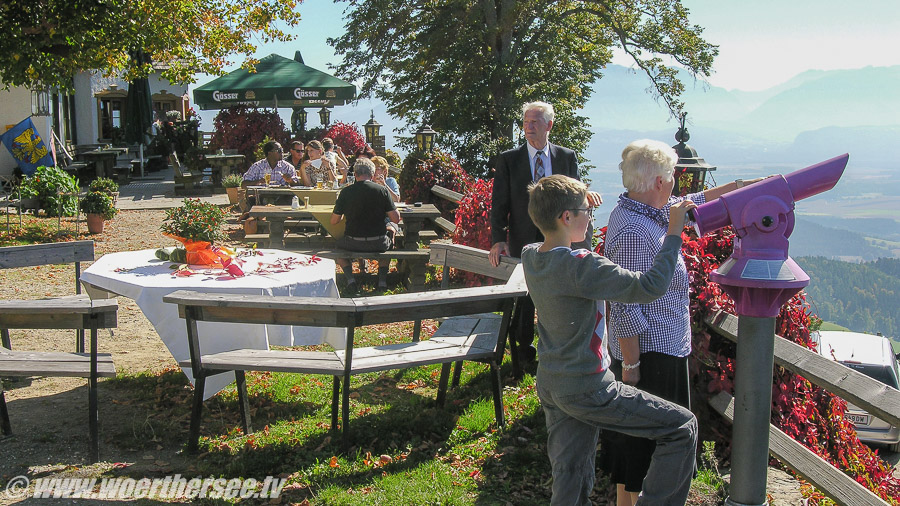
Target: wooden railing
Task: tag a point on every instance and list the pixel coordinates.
(863, 391)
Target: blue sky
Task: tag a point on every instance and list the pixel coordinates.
(762, 43)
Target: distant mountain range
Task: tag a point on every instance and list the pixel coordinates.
(812, 117)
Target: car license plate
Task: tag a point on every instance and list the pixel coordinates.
(857, 419)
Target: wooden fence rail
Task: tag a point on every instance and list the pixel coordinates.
(863, 391)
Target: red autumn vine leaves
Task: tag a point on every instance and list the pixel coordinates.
(805, 412)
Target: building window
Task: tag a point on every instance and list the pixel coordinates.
(164, 102)
(64, 117)
(111, 111)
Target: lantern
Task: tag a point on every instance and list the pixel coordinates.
(690, 170)
(40, 102)
(425, 138)
(372, 129)
(298, 119)
(324, 116)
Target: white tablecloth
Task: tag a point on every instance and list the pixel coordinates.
(140, 276)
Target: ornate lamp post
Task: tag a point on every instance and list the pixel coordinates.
(372, 128)
(325, 116)
(425, 138)
(298, 120)
(690, 171)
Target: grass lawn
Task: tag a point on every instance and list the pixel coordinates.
(403, 448)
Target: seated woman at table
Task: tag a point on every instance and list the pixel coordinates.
(278, 170)
(382, 178)
(315, 167)
(295, 155)
(335, 155)
(370, 214)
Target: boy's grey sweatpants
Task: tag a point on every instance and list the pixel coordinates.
(573, 424)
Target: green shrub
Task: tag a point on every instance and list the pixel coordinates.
(195, 220)
(46, 184)
(242, 128)
(418, 176)
(98, 202)
(104, 184)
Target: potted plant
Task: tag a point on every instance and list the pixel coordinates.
(98, 206)
(54, 188)
(197, 225)
(232, 182)
(106, 185)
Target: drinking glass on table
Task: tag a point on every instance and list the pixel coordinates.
(267, 177)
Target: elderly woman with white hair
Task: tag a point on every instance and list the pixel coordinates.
(649, 343)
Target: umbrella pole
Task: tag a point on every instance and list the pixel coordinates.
(141, 153)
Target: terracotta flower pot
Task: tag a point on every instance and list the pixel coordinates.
(232, 194)
(250, 226)
(95, 223)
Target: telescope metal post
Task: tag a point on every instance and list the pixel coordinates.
(752, 411)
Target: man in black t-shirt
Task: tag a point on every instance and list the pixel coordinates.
(369, 211)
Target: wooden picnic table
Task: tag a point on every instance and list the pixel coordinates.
(413, 220)
(276, 216)
(272, 194)
(104, 159)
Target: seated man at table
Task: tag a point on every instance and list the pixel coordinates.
(274, 166)
(371, 219)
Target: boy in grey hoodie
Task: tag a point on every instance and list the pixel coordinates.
(578, 394)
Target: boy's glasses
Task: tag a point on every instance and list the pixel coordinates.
(588, 210)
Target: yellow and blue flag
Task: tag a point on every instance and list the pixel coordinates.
(27, 147)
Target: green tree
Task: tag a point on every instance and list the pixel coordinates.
(46, 42)
(467, 66)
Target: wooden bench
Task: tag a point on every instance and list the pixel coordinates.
(445, 225)
(75, 312)
(478, 337)
(466, 258)
(447, 194)
(75, 252)
(452, 197)
(122, 169)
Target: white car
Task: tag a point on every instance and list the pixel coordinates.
(873, 356)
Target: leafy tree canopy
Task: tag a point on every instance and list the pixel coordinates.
(46, 42)
(467, 66)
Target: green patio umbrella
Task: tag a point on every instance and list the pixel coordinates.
(277, 82)
(138, 109)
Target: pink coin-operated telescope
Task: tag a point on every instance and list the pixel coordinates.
(760, 277)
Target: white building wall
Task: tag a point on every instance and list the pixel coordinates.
(87, 85)
(15, 105)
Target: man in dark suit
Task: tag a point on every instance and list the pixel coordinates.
(511, 227)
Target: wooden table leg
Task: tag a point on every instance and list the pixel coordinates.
(416, 275)
(276, 233)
